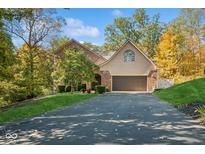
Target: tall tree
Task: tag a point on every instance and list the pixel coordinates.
(42, 63)
(56, 43)
(33, 29)
(6, 49)
(193, 26)
(166, 57)
(9, 91)
(190, 25)
(140, 28)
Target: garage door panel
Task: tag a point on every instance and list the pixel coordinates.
(129, 83)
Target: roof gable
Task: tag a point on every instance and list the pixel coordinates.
(94, 57)
(120, 49)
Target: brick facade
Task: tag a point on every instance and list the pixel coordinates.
(106, 79)
(152, 80)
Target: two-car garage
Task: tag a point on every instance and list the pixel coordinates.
(129, 69)
(129, 83)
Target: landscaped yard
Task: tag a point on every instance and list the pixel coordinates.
(41, 105)
(186, 94)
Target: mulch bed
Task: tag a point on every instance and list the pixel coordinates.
(191, 109)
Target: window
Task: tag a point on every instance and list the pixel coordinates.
(129, 56)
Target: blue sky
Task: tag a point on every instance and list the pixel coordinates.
(89, 24)
(92, 22)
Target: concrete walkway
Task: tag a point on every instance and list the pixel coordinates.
(109, 119)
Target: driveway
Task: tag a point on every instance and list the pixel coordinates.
(109, 119)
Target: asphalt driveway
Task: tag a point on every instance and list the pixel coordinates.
(108, 119)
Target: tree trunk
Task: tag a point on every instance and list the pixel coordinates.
(31, 73)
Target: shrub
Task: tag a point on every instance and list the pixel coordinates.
(100, 89)
(3, 102)
(201, 110)
(61, 88)
(47, 91)
(107, 89)
(81, 87)
(10, 93)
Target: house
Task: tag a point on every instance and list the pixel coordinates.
(128, 69)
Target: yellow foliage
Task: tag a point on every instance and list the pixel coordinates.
(166, 57)
(177, 64)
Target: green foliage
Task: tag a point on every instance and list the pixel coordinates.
(100, 89)
(75, 68)
(81, 87)
(56, 43)
(6, 50)
(42, 105)
(201, 110)
(140, 28)
(27, 73)
(185, 93)
(92, 47)
(37, 77)
(10, 93)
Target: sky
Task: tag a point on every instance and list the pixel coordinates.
(88, 25)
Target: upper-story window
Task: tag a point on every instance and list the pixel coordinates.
(129, 56)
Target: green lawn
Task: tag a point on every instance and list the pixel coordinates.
(185, 93)
(39, 106)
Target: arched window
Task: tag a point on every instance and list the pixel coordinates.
(129, 56)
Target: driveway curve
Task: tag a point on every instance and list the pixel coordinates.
(109, 119)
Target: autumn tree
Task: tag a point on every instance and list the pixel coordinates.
(42, 62)
(9, 92)
(187, 33)
(33, 29)
(192, 28)
(7, 56)
(166, 57)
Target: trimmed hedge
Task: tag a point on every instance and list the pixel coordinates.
(100, 89)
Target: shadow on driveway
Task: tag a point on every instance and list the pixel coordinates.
(109, 119)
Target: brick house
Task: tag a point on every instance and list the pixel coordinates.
(128, 69)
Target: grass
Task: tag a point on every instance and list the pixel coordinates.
(201, 110)
(185, 93)
(39, 106)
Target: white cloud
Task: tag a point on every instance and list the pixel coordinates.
(95, 44)
(81, 42)
(117, 13)
(76, 27)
